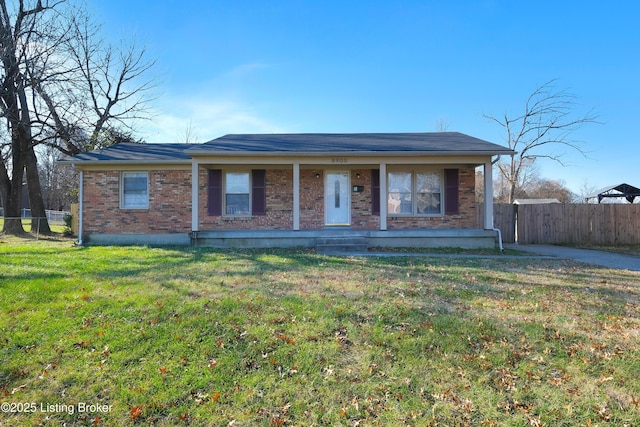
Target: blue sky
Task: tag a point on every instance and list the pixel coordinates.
(390, 66)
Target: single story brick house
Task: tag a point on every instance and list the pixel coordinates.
(270, 190)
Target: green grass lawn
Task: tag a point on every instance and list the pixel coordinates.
(183, 336)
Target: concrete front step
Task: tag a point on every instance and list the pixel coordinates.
(342, 244)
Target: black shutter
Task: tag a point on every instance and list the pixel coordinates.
(451, 192)
(375, 191)
(214, 192)
(258, 192)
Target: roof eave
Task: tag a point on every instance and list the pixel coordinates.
(228, 153)
(93, 162)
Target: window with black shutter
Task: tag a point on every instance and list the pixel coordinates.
(236, 193)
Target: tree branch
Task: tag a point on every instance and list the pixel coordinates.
(548, 121)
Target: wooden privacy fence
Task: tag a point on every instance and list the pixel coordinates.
(504, 219)
(75, 218)
(603, 224)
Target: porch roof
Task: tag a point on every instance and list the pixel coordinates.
(431, 143)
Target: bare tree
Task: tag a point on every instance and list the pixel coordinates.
(16, 30)
(479, 188)
(586, 189)
(60, 85)
(547, 124)
(101, 91)
(542, 188)
(442, 124)
(190, 134)
(59, 182)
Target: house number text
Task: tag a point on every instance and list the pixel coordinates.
(339, 160)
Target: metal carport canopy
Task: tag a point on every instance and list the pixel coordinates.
(627, 191)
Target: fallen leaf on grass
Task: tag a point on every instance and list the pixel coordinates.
(604, 413)
(603, 380)
(82, 344)
(284, 337)
(276, 421)
(135, 412)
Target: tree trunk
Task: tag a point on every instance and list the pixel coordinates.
(12, 200)
(39, 220)
(14, 103)
(512, 192)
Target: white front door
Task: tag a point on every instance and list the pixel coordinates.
(337, 198)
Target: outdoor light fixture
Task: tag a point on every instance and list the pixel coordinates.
(317, 175)
(358, 175)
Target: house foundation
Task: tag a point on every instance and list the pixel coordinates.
(440, 238)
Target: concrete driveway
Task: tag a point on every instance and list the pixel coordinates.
(601, 258)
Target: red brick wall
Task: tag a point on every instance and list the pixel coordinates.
(311, 199)
(279, 214)
(169, 204)
(361, 217)
(280, 205)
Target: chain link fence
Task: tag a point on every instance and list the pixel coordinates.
(32, 224)
(54, 217)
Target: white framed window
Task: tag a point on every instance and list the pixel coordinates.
(415, 193)
(428, 193)
(237, 191)
(134, 190)
(400, 193)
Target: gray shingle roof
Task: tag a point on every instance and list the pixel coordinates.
(129, 152)
(443, 143)
(452, 142)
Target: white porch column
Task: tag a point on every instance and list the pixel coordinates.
(488, 195)
(296, 196)
(383, 196)
(195, 205)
